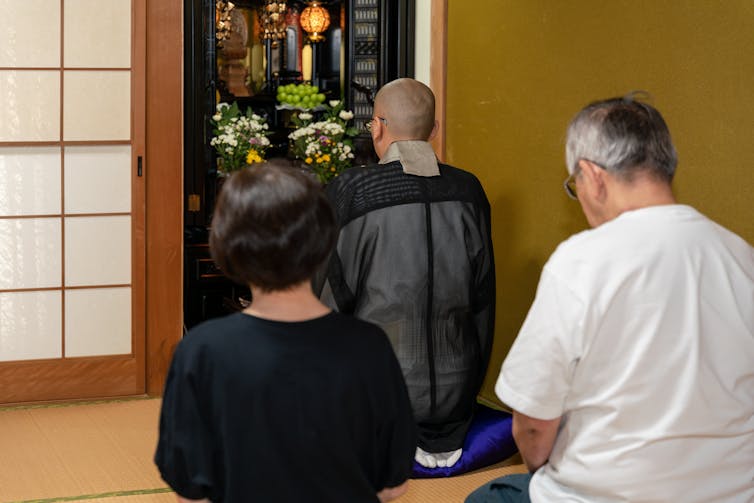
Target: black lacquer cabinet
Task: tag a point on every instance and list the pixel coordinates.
(377, 37)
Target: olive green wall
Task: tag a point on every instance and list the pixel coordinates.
(518, 70)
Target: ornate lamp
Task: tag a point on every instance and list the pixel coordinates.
(222, 21)
(273, 20)
(315, 20)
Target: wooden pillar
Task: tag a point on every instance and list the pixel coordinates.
(163, 170)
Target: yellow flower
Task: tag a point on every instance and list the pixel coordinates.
(332, 168)
(253, 156)
(326, 157)
(319, 160)
(308, 160)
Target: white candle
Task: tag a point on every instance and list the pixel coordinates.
(257, 65)
(342, 65)
(306, 62)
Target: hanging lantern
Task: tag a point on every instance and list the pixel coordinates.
(315, 20)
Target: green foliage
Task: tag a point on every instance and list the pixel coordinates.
(239, 139)
(326, 145)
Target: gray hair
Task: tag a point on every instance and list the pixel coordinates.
(623, 136)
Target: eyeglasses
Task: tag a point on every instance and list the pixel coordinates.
(569, 184)
(369, 124)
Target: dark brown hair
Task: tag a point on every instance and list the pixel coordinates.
(273, 226)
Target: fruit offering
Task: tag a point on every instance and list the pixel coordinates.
(303, 96)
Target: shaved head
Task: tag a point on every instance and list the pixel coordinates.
(408, 106)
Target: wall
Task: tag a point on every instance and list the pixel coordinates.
(518, 70)
(422, 41)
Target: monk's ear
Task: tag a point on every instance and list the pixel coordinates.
(435, 130)
(377, 129)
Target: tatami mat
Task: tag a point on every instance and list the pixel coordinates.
(167, 497)
(102, 452)
(78, 450)
(455, 489)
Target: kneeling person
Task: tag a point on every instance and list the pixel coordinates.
(414, 256)
(287, 400)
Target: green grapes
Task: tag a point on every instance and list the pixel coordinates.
(303, 96)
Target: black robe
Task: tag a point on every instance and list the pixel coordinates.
(414, 256)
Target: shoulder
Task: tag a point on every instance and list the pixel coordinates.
(576, 260)
(732, 240)
(214, 326)
(634, 238)
(353, 178)
(446, 170)
(354, 329)
(457, 184)
(362, 189)
(209, 334)
(359, 337)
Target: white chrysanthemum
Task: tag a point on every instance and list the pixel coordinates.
(312, 149)
(305, 116)
(330, 128)
(346, 115)
(301, 132)
(334, 103)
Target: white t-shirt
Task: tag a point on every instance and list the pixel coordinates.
(641, 336)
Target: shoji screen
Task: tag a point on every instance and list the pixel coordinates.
(67, 183)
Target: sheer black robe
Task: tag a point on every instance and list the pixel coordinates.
(414, 256)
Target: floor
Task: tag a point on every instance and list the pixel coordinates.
(102, 452)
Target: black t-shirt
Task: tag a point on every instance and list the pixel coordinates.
(260, 410)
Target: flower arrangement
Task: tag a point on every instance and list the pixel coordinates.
(239, 139)
(325, 146)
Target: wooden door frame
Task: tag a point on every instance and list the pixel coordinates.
(164, 172)
(437, 68)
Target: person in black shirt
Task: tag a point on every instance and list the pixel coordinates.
(286, 401)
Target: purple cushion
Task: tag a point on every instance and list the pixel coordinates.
(488, 441)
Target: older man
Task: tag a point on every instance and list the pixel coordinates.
(632, 378)
(414, 256)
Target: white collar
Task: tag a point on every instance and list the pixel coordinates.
(417, 157)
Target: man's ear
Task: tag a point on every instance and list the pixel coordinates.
(594, 180)
(435, 130)
(378, 129)
(378, 137)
